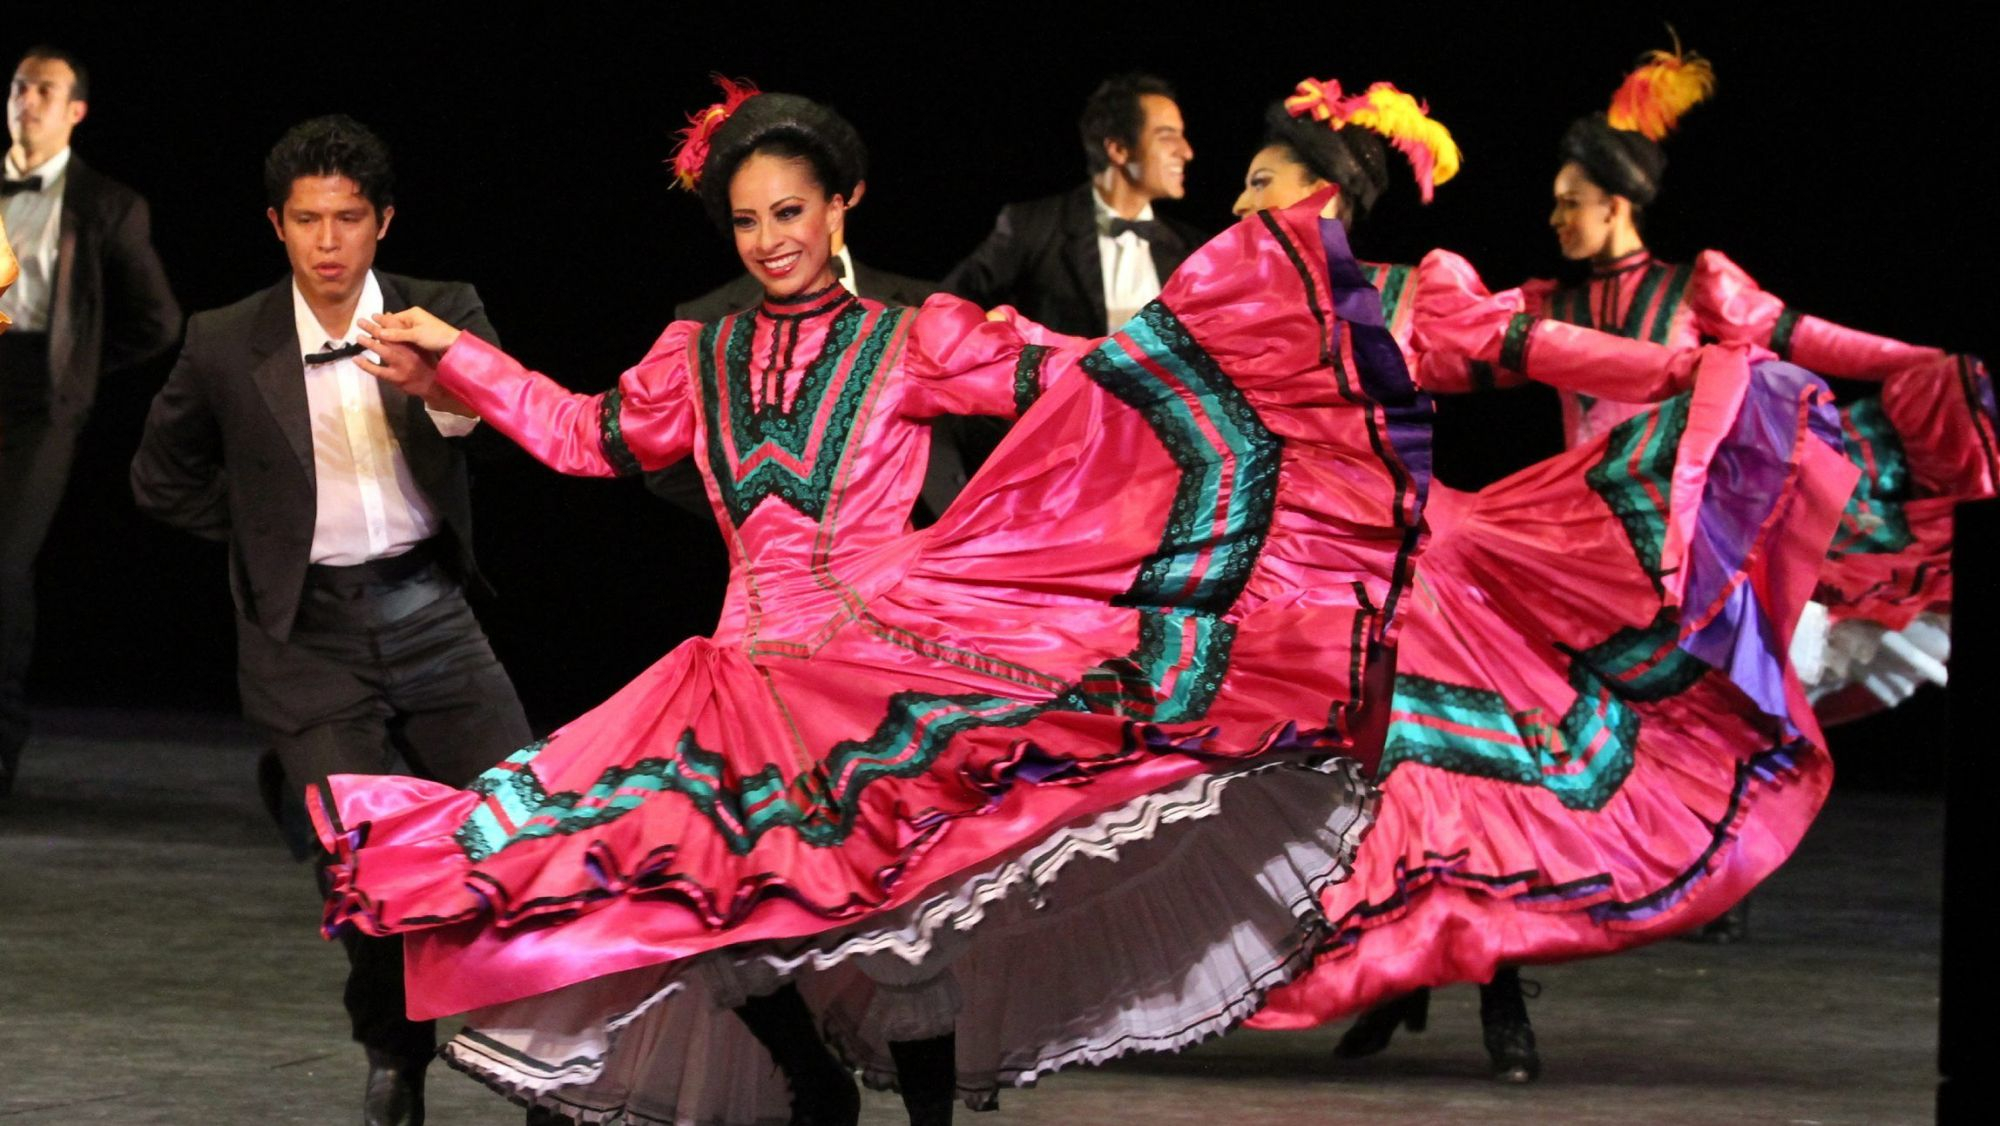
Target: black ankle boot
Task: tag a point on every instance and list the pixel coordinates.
(823, 1092)
(1732, 925)
(1503, 1017)
(395, 1092)
(1372, 1031)
(927, 1072)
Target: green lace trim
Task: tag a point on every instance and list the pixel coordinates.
(1874, 520)
(790, 429)
(611, 434)
(1781, 332)
(1635, 477)
(1514, 346)
(1028, 377)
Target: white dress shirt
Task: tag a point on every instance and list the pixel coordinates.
(1130, 279)
(34, 227)
(368, 505)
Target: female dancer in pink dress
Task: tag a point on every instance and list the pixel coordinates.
(1594, 741)
(1058, 778)
(1925, 442)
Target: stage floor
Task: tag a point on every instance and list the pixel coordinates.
(159, 965)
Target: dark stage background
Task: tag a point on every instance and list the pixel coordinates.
(1838, 163)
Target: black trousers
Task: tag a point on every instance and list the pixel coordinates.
(385, 661)
(35, 455)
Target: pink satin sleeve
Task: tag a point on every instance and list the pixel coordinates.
(961, 361)
(1462, 332)
(1831, 349)
(1457, 328)
(646, 422)
(1729, 306)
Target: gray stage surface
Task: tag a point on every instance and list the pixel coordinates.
(159, 964)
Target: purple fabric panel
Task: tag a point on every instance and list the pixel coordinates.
(1384, 375)
(1742, 644)
(1746, 480)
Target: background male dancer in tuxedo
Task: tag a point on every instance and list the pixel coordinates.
(348, 519)
(1083, 262)
(91, 298)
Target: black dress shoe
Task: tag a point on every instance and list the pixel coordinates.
(395, 1093)
(1373, 1030)
(1510, 1040)
(543, 1116)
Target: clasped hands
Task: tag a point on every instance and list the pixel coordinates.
(410, 344)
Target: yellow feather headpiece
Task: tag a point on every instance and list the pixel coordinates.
(1653, 97)
(1402, 120)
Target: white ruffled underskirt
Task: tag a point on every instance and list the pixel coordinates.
(1146, 928)
(1890, 664)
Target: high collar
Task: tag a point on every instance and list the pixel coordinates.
(1623, 264)
(806, 305)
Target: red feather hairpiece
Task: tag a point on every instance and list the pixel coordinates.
(692, 152)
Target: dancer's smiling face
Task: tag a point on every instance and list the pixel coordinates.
(1585, 216)
(785, 223)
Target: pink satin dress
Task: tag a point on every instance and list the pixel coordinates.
(1093, 730)
(1596, 740)
(1924, 442)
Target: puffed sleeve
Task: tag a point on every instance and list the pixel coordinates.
(1467, 338)
(960, 360)
(1729, 306)
(645, 422)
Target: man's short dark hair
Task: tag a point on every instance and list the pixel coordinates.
(334, 145)
(1113, 113)
(80, 91)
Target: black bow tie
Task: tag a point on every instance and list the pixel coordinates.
(333, 355)
(9, 187)
(1148, 229)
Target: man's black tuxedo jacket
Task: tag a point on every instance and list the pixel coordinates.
(228, 448)
(1042, 259)
(112, 307)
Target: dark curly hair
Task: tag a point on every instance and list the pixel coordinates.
(334, 145)
(782, 125)
(1620, 161)
(1354, 157)
(1114, 113)
(79, 91)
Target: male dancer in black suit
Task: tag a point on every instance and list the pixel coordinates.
(348, 521)
(91, 298)
(1085, 261)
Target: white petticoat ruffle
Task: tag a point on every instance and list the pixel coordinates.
(1149, 927)
(1890, 664)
